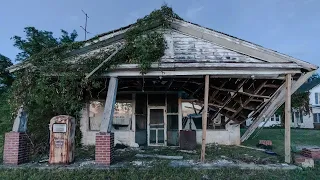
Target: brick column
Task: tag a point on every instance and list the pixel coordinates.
(16, 148)
(104, 148)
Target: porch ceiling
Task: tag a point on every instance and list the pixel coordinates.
(237, 99)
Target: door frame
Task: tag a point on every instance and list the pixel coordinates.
(164, 126)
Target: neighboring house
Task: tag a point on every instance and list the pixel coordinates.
(314, 89)
(300, 119)
(242, 79)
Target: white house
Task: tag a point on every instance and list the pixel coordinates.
(300, 119)
(315, 104)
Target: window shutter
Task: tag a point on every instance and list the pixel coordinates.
(315, 116)
(316, 98)
(301, 117)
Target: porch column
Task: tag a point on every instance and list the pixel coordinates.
(204, 118)
(180, 114)
(133, 121)
(105, 138)
(106, 123)
(287, 143)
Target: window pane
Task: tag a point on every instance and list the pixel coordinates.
(172, 122)
(160, 136)
(297, 116)
(272, 118)
(95, 115)
(301, 117)
(187, 108)
(198, 122)
(172, 103)
(156, 99)
(141, 104)
(315, 116)
(278, 118)
(156, 116)
(141, 122)
(152, 136)
(122, 114)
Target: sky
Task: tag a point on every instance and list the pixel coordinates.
(287, 26)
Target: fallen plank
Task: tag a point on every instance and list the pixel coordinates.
(189, 152)
(258, 149)
(158, 156)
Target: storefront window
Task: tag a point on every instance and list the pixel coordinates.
(122, 115)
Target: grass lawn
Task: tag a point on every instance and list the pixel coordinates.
(299, 137)
(162, 170)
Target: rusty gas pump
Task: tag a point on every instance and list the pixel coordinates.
(62, 145)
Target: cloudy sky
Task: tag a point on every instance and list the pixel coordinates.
(287, 26)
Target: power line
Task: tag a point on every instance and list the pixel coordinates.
(85, 26)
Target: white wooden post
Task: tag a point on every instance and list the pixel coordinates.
(274, 104)
(287, 143)
(204, 118)
(133, 125)
(106, 123)
(179, 114)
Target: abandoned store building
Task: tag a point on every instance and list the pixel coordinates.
(243, 80)
(200, 91)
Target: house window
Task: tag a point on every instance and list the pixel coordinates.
(316, 118)
(272, 118)
(122, 115)
(277, 117)
(192, 118)
(298, 116)
(172, 112)
(317, 96)
(141, 111)
(95, 115)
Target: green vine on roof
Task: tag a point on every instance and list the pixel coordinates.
(144, 45)
(54, 82)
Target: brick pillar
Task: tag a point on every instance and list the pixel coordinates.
(104, 148)
(16, 148)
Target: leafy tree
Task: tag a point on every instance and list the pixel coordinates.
(300, 99)
(5, 77)
(5, 82)
(29, 88)
(39, 40)
(52, 85)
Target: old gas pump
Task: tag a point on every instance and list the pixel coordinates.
(62, 132)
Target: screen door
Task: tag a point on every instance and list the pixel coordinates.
(157, 131)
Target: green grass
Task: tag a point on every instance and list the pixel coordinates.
(299, 137)
(161, 170)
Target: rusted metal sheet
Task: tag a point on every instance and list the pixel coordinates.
(188, 140)
(62, 132)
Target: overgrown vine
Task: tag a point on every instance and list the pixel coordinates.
(54, 83)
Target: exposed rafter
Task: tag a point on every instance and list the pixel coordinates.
(248, 100)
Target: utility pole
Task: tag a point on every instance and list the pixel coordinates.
(85, 26)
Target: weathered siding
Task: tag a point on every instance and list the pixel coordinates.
(228, 136)
(185, 48)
